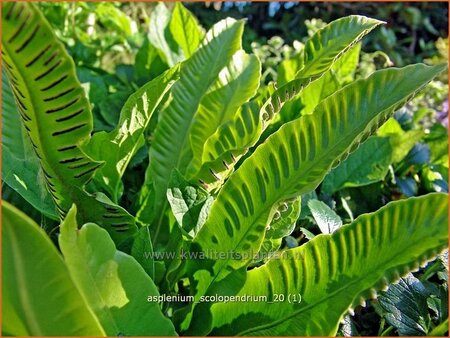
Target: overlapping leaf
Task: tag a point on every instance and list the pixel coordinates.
(56, 115)
(329, 43)
(170, 148)
(113, 283)
(38, 296)
(333, 273)
(50, 100)
(293, 161)
(236, 84)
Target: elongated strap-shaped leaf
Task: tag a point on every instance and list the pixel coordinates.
(50, 100)
(236, 84)
(56, 115)
(293, 161)
(113, 283)
(170, 148)
(38, 295)
(117, 147)
(20, 166)
(233, 138)
(333, 273)
(329, 43)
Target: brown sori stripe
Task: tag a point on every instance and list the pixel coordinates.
(48, 71)
(27, 41)
(111, 216)
(54, 83)
(87, 171)
(54, 54)
(65, 131)
(8, 15)
(81, 165)
(19, 30)
(59, 95)
(71, 116)
(19, 13)
(71, 160)
(67, 148)
(50, 111)
(16, 88)
(20, 103)
(37, 57)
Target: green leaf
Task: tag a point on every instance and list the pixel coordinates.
(147, 63)
(307, 100)
(327, 220)
(190, 205)
(336, 47)
(21, 169)
(38, 295)
(329, 43)
(288, 68)
(344, 68)
(284, 222)
(185, 29)
(170, 148)
(334, 273)
(401, 141)
(142, 251)
(369, 164)
(51, 102)
(160, 36)
(112, 16)
(293, 161)
(218, 113)
(269, 247)
(117, 147)
(115, 286)
(406, 306)
(56, 115)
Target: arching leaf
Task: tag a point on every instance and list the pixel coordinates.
(236, 84)
(330, 42)
(113, 283)
(56, 115)
(50, 100)
(333, 273)
(233, 138)
(38, 295)
(170, 148)
(293, 161)
(284, 219)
